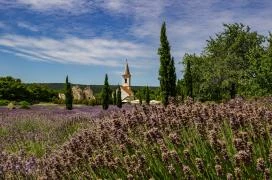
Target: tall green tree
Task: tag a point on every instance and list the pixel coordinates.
(68, 94)
(264, 69)
(140, 95)
(188, 79)
(106, 94)
(233, 51)
(181, 89)
(119, 98)
(114, 97)
(172, 78)
(147, 95)
(167, 73)
(233, 62)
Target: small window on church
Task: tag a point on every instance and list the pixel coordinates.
(125, 80)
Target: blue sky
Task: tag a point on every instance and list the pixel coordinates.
(43, 40)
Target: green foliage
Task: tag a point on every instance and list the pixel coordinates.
(188, 79)
(233, 62)
(140, 98)
(147, 95)
(154, 93)
(119, 98)
(106, 94)
(31, 147)
(3, 132)
(263, 69)
(181, 89)
(40, 93)
(4, 102)
(114, 94)
(24, 105)
(14, 90)
(140, 94)
(167, 75)
(68, 95)
(57, 100)
(172, 78)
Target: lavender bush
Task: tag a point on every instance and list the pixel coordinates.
(189, 141)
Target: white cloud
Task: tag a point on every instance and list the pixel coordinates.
(51, 6)
(189, 25)
(105, 52)
(48, 4)
(28, 26)
(114, 5)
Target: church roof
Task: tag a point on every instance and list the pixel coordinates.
(127, 70)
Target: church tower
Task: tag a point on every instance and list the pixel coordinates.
(127, 77)
(126, 90)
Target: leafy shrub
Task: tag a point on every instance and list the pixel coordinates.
(24, 105)
(57, 100)
(92, 102)
(4, 102)
(11, 106)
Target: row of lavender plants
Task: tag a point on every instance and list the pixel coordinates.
(189, 141)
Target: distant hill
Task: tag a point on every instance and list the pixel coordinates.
(96, 88)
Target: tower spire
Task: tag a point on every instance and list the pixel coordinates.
(126, 69)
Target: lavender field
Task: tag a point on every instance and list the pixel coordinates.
(188, 141)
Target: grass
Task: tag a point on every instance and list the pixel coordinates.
(3, 132)
(36, 137)
(31, 148)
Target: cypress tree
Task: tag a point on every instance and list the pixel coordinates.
(140, 97)
(147, 95)
(172, 78)
(106, 94)
(188, 79)
(119, 98)
(114, 97)
(167, 74)
(68, 95)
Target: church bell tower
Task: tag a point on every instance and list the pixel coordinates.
(127, 77)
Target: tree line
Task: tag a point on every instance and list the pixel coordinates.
(237, 61)
(12, 89)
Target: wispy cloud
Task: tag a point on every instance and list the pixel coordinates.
(28, 26)
(189, 25)
(105, 52)
(51, 6)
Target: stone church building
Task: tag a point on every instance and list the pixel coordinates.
(126, 90)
